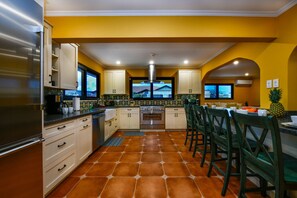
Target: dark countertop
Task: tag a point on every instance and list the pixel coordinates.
(56, 118)
(284, 129)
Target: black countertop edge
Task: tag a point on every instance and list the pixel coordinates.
(57, 118)
(284, 129)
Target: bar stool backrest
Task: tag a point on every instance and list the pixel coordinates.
(267, 163)
(200, 119)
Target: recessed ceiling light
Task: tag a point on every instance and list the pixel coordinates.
(246, 74)
(235, 62)
(186, 61)
(151, 62)
(118, 62)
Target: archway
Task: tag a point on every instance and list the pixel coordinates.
(244, 78)
(292, 81)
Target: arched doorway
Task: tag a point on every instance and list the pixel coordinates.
(243, 75)
(292, 81)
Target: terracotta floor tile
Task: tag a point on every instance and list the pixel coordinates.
(126, 169)
(82, 169)
(168, 148)
(187, 156)
(101, 169)
(64, 187)
(151, 157)
(182, 187)
(151, 142)
(196, 170)
(151, 169)
(88, 187)
(182, 148)
(150, 187)
(110, 157)
(119, 187)
(116, 149)
(137, 148)
(166, 141)
(102, 149)
(131, 157)
(175, 169)
(94, 157)
(151, 133)
(171, 157)
(151, 149)
(212, 187)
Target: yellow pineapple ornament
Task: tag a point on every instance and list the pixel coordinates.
(276, 108)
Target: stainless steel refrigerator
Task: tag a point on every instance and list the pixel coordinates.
(21, 25)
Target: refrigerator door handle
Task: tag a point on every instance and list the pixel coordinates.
(21, 147)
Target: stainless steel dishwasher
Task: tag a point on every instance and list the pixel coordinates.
(98, 130)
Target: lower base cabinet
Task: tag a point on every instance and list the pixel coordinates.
(66, 145)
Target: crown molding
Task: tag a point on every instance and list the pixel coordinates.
(168, 13)
(286, 7)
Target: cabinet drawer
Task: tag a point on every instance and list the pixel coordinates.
(84, 120)
(58, 145)
(58, 128)
(55, 173)
(175, 110)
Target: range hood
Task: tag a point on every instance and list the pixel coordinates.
(152, 73)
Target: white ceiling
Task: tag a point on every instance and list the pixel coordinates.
(168, 7)
(234, 71)
(137, 55)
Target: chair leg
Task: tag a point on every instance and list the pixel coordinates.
(192, 139)
(212, 158)
(195, 145)
(263, 186)
(187, 136)
(227, 174)
(242, 180)
(204, 150)
(279, 190)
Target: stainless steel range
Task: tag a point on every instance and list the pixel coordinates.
(152, 117)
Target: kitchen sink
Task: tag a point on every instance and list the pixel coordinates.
(110, 114)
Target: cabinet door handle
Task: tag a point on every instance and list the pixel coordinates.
(85, 120)
(109, 123)
(51, 78)
(61, 145)
(62, 167)
(85, 126)
(76, 84)
(59, 128)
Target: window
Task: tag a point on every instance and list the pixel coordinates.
(87, 84)
(141, 88)
(218, 91)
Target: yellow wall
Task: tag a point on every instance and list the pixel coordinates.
(241, 94)
(90, 63)
(152, 28)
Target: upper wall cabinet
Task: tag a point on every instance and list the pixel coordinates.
(189, 82)
(60, 62)
(114, 82)
(68, 66)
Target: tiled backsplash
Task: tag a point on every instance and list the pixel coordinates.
(123, 100)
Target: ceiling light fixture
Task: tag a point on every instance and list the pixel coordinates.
(235, 62)
(246, 74)
(152, 69)
(151, 62)
(186, 62)
(118, 62)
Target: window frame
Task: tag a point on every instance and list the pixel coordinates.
(217, 91)
(83, 96)
(151, 88)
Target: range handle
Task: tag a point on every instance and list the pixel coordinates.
(21, 147)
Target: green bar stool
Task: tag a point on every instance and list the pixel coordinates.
(222, 141)
(191, 130)
(272, 164)
(202, 128)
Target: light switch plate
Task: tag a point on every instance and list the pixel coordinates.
(275, 83)
(268, 84)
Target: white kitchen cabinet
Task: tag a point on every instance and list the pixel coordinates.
(175, 118)
(68, 66)
(189, 82)
(129, 118)
(84, 138)
(47, 46)
(66, 145)
(114, 82)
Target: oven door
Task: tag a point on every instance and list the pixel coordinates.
(154, 120)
